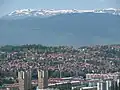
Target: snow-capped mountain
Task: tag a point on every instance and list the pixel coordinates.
(76, 29)
(44, 12)
(109, 10)
(51, 12)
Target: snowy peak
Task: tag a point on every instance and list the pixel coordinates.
(51, 12)
(45, 12)
(109, 10)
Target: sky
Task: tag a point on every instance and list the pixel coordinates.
(7, 6)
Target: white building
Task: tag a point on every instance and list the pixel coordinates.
(88, 88)
(103, 76)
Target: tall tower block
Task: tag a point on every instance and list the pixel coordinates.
(42, 79)
(24, 78)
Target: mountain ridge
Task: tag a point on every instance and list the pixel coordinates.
(67, 29)
(53, 12)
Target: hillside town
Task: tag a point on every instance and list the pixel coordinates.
(61, 61)
(59, 45)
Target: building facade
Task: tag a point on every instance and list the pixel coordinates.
(42, 79)
(24, 78)
(103, 76)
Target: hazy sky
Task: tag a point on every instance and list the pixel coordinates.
(7, 6)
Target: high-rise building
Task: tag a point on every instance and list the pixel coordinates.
(24, 78)
(101, 85)
(109, 84)
(42, 79)
(118, 81)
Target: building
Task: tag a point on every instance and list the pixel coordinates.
(88, 88)
(103, 76)
(42, 79)
(24, 78)
(108, 84)
(118, 84)
(101, 85)
(109, 81)
(91, 84)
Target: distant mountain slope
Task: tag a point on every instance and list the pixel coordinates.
(64, 29)
(23, 13)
